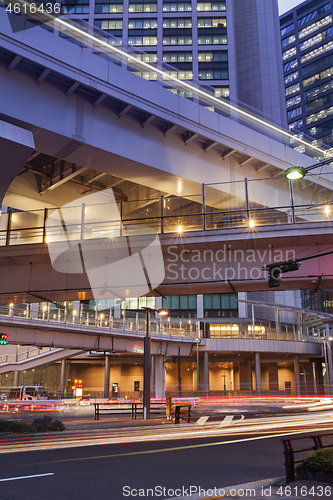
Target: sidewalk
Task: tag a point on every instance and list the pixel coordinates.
(272, 488)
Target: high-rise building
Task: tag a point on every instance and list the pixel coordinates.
(231, 45)
(307, 53)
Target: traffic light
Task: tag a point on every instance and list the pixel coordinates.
(275, 271)
(4, 339)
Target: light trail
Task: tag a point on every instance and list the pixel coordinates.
(258, 426)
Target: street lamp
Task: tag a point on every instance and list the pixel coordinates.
(198, 342)
(296, 173)
(147, 362)
(224, 386)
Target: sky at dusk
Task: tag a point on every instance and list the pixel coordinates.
(285, 5)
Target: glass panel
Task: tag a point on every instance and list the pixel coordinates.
(207, 301)
(225, 301)
(175, 302)
(183, 302)
(216, 302)
(192, 302)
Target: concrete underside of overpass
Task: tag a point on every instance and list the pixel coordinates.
(195, 262)
(118, 124)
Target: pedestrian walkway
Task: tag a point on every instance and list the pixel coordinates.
(272, 488)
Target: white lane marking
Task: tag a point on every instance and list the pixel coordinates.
(228, 419)
(26, 477)
(202, 420)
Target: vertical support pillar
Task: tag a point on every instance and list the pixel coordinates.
(147, 370)
(162, 214)
(16, 378)
(329, 357)
(62, 377)
(83, 214)
(253, 322)
(247, 203)
(107, 376)
(277, 323)
(159, 376)
(204, 225)
(249, 373)
(206, 373)
(258, 371)
(297, 375)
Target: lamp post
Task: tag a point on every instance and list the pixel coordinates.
(147, 362)
(197, 341)
(224, 386)
(305, 387)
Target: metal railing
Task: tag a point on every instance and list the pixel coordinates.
(167, 215)
(233, 328)
(289, 451)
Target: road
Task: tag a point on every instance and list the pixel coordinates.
(101, 472)
(123, 463)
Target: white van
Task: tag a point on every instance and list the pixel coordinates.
(28, 393)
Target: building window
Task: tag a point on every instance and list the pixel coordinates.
(142, 7)
(295, 125)
(294, 113)
(313, 15)
(313, 93)
(181, 75)
(212, 40)
(221, 91)
(105, 7)
(316, 39)
(177, 6)
(318, 64)
(287, 29)
(213, 65)
(324, 113)
(137, 303)
(142, 24)
(75, 7)
(292, 89)
(326, 127)
(145, 41)
(290, 65)
(211, 6)
(150, 58)
(290, 78)
(289, 53)
(293, 101)
(318, 103)
(288, 41)
(181, 306)
(216, 23)
(220, 305)
(317, 52)
(174, 58)
(177, 40)
(314, 27)
(176, 23)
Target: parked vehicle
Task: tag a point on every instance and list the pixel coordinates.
(28, 393)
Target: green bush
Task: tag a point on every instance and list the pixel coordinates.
(14, 426)
(319, 461)
(45, 424)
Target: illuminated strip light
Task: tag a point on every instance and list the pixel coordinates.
(176, 80)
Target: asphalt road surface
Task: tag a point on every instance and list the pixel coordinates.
(119, 471)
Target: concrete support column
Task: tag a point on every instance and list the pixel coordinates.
(249, 374)
(299, 325)
(158, 304)
(206, 373)
(16, 378)
(329, 357)
(159, 376)
(62, 375)
(107, 376)
(297, 375)
(258, 371)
